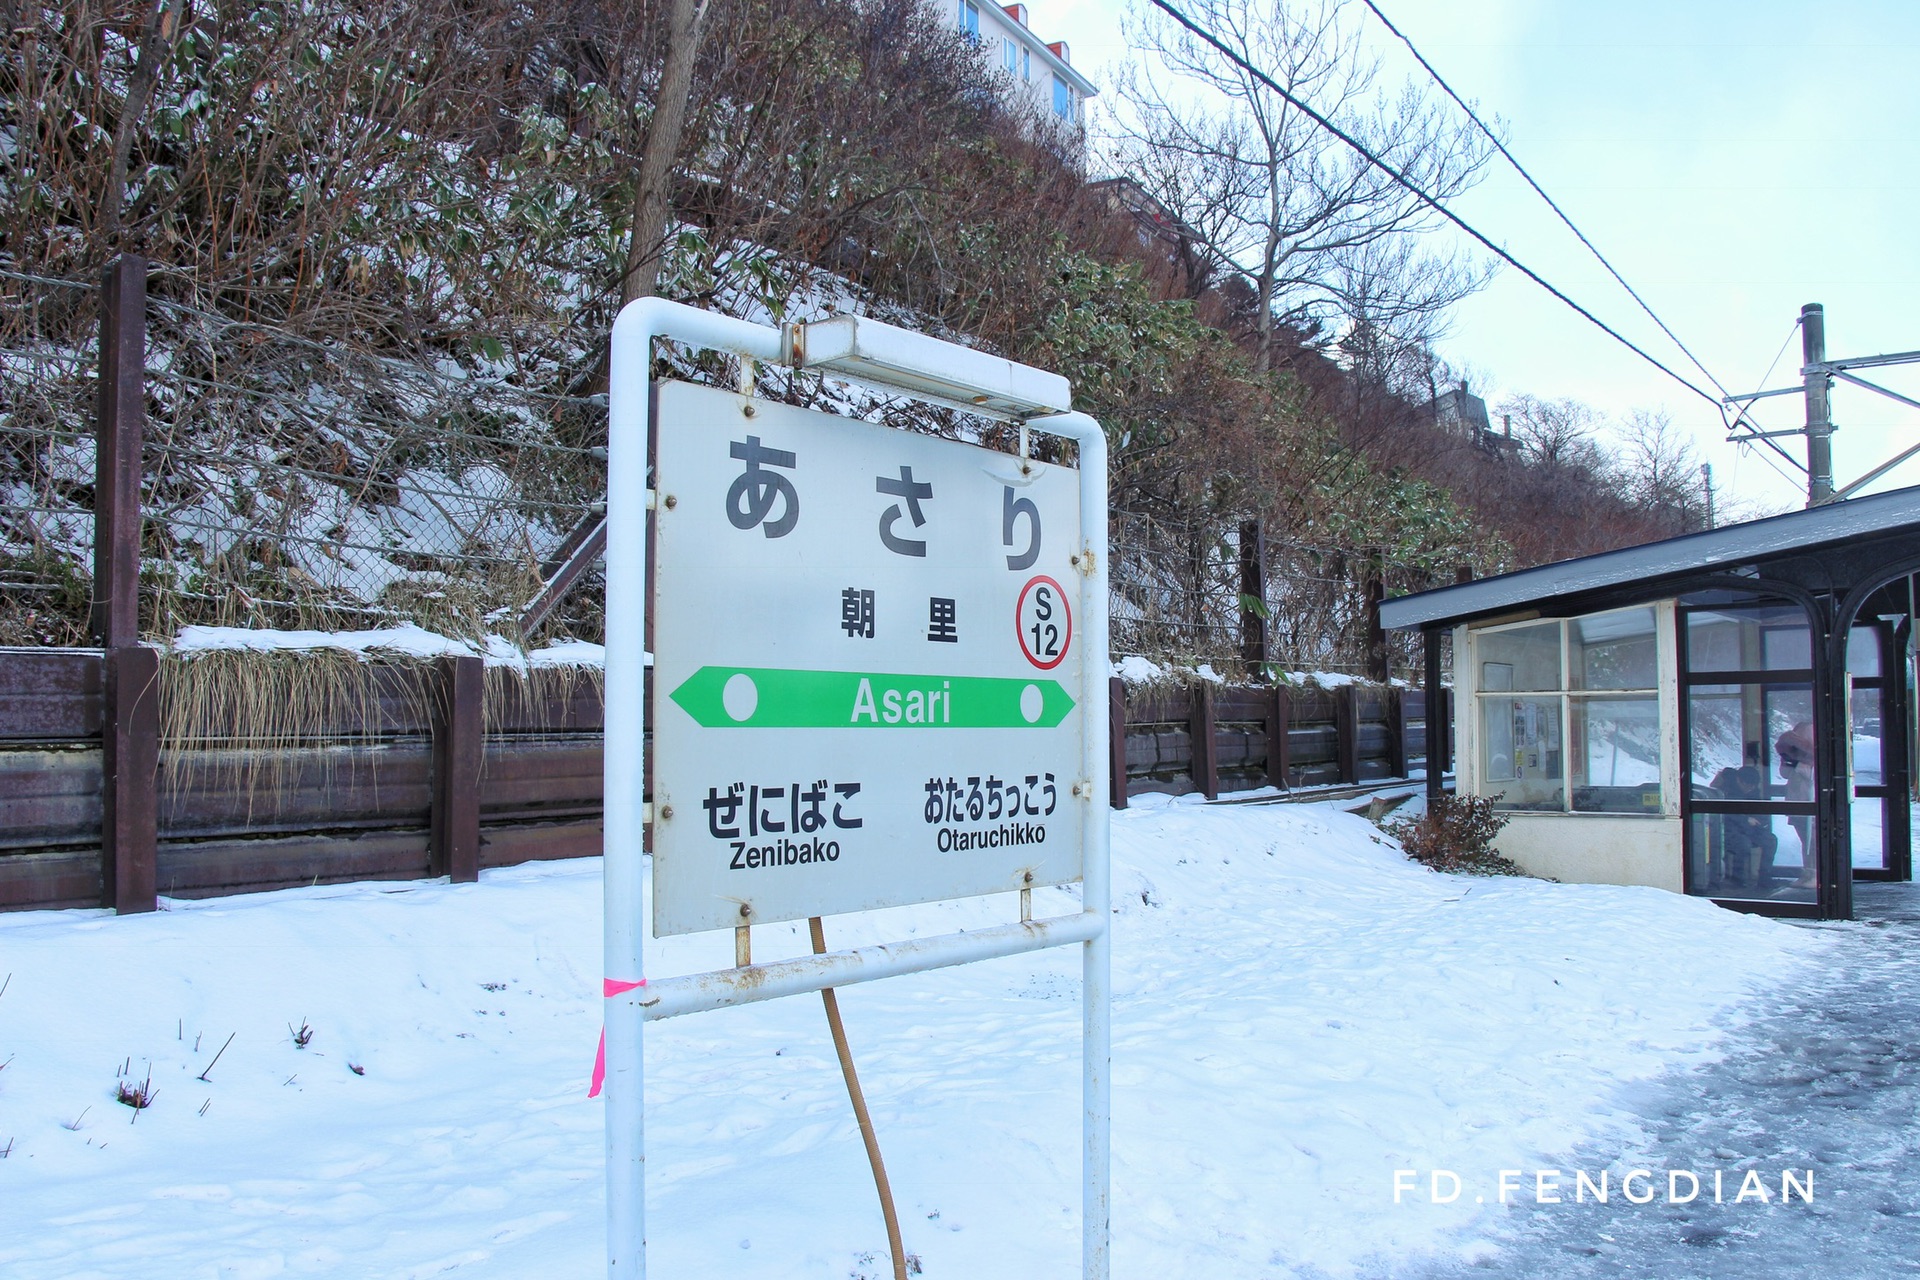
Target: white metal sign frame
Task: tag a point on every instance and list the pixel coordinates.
(926, 369)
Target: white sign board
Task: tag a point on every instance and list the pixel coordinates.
(866, 666)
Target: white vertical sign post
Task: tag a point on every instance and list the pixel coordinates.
(880, 679)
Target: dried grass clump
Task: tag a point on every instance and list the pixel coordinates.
(243, 718)
(233, 716)
(537, 698)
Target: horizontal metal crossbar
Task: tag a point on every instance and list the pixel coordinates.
(699, 992)
(1749, 397)
(1766, 435)
(1863, 362)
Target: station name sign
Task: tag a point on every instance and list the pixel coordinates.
(865, 666)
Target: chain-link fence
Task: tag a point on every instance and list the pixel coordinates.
(1175, 589)
(1189, 592)
(48, 353)
(287, 482)
(1317, 603)
(295, 483)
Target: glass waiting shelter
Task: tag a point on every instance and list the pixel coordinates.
(1727, 714)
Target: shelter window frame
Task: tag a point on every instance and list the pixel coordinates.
(1557, 698)
(1757, 675)
(1878, 698)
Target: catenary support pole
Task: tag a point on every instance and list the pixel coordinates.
(1813, 348)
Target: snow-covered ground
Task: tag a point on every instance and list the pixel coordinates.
(1824, 1080)
(1298, 1013)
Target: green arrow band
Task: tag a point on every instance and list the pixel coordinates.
(772, 698)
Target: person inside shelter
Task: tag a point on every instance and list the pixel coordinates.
(1795, 750)
(1747, 842)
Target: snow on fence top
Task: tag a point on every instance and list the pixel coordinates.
(403, 641)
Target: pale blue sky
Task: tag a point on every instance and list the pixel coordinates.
(1734, 160)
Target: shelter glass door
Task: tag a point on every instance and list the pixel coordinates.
(1748, 766)
(1875, 745)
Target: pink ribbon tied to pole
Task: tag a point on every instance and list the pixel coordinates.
(610, 987)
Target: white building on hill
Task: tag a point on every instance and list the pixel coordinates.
(1040, 75)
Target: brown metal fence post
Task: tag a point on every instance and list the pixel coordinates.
(1206, 751)
(1396, 732)
(1346, 732)
(121, 413)
(1279, 754)
(1375, 589)
(1117, 741)
(129, 762)
(459, 737)
(130, 728)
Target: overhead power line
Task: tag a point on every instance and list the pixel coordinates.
(1418, 193)
(1431, 202)
(1520, 169)
(1592, 248)
(1750, 441)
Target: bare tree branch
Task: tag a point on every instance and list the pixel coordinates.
(1300, 214)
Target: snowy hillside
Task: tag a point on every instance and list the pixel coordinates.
(1298, 1013)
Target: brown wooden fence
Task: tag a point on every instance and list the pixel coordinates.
(1220, 738)
(413, 794)
(93, 813)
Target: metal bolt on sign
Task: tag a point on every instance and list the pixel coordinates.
(910, 710)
